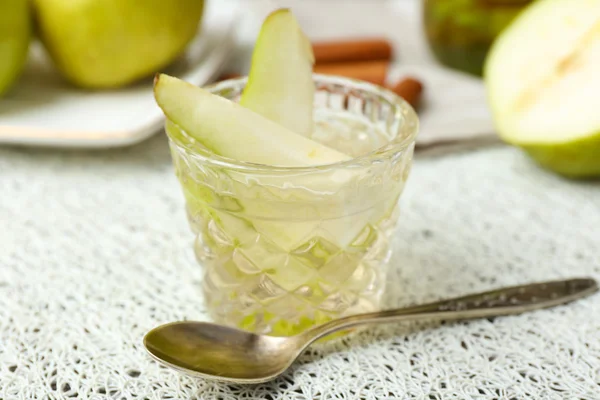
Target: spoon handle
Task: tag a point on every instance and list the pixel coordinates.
(506, 301)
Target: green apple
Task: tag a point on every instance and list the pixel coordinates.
(280, 84)
(15, 33)
(543, 82)
(231, 130)
(111, 43)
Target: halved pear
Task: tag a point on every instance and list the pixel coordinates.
(280, 85)
(543, 82)
(231, 130)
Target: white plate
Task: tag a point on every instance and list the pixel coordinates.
(43, 110)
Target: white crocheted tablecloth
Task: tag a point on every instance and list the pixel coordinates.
(95, 251)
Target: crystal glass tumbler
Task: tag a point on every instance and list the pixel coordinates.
(284, 248)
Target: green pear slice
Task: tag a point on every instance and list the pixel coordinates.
(231, 130)
(280, 85)
(543, 82)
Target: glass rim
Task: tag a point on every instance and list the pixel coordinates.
(405, 138)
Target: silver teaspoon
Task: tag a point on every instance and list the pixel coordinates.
(228, 354)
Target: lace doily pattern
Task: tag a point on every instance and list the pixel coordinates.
(95, 251)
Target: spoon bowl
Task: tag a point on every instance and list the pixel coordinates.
(229, 354)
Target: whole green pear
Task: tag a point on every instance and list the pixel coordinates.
(15, 33)
(111, 43)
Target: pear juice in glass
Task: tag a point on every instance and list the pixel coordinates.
(285, 248)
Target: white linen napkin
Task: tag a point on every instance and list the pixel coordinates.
(454, 108)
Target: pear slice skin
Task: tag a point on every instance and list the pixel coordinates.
(15, 34)
(542, 83)
(578, 159)
(231, 130)
(280, 85)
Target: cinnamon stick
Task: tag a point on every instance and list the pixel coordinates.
(352, 50)
(370, 71)
(410, 89)
(224, 77)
